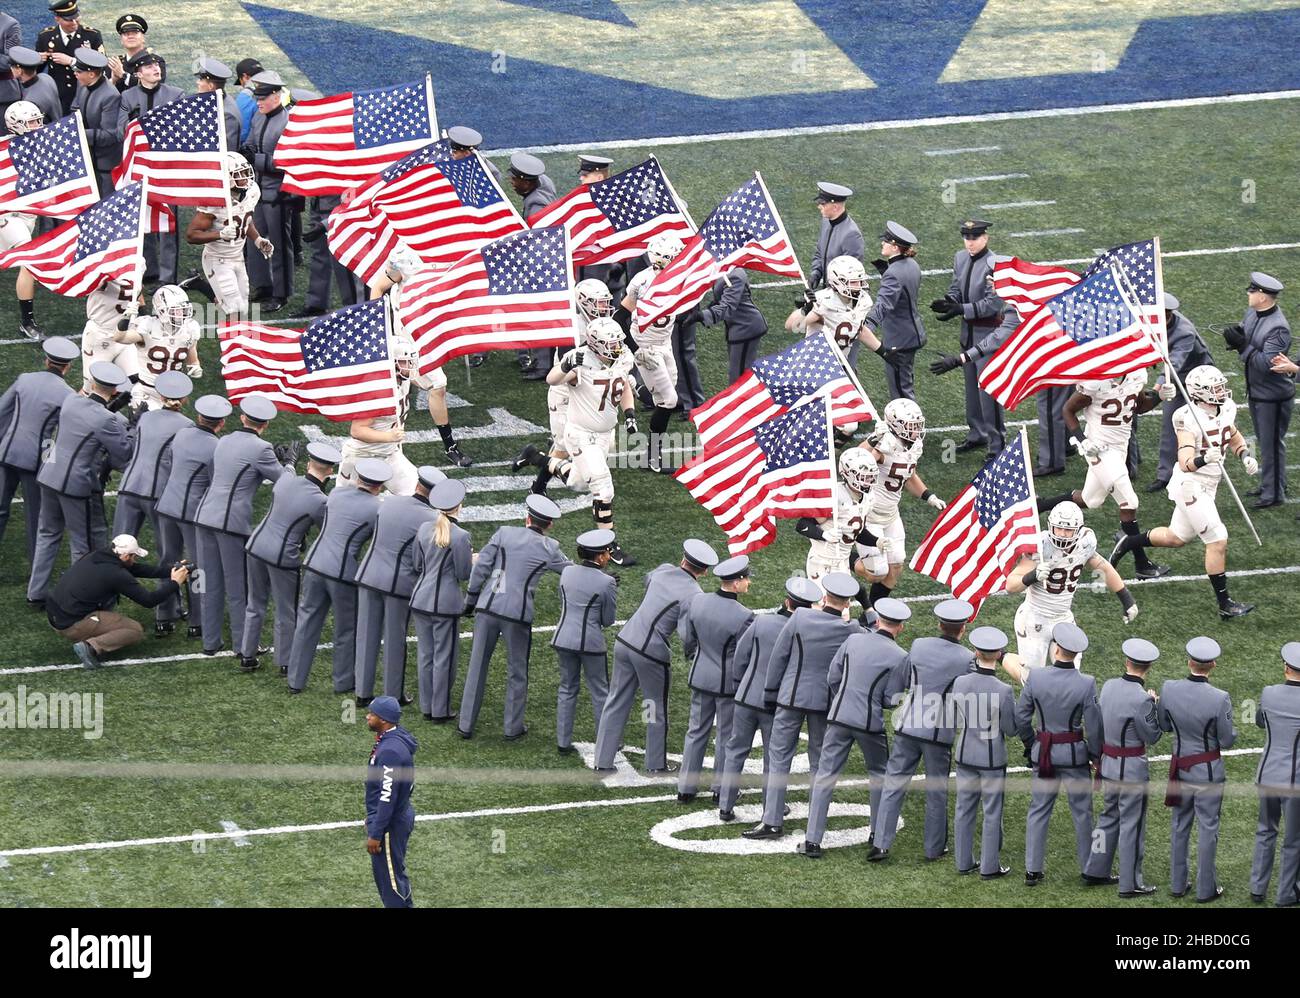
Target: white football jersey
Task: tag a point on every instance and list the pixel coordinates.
(237, 214)
(898, 462)
(594, 397)
(164, 348)
(841, 530)
(1052, 595)
(1218, 431)
(1108, 419)
(844, 323)
(104, 306)
(354, 448)
(660, 332)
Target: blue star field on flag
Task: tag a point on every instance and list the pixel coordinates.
(47, 157)
(1093, 308)
(633, 197)
(391, 114)
(434, 152)
(798, 437)
(1001, 484)
(188, 124)
(742, 218)
(471, 182)
(114, 219)
(798, 370)
(353, 335)
(526, 263)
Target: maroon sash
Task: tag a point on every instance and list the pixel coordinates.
(1179, 762)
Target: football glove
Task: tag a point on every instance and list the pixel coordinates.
(629, 423)
(265, 246)
(1166, 391)
(1212, 455)
(1249, 463)
(1090, 448)
(230, 232)
(936, 502)
(571, 361)
(194, 371)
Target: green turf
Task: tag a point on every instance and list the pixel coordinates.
(1176, 173)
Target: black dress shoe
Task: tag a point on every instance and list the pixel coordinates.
(566, 750)
(194, 631)
(406, 701)
(1218, 893)
(213, 651)
(1253, 493)
(686, 798)
(350, 689)
(1257, 898)
(162, 628)
(364, 701)
(968, 870)
(312, 233)
(536, 374)
(1157, 486)
(36, 604)
(604, 769)
(761, 831)
(249, 663)
(1140, 891)
(726, 815)
(1099, 881)
(810, 849)
(877, 855)
(259, 294)
(443, 719)
(263, 649)
(467, 735)
(1048, 472)
(717, 797)
(293, 691)
(273, 305)
(517, 735)
(1265, 503)
(1034, 879)
(933, 859)
(284, 670)
(1002, 872)
(669, 767)
(969, 445)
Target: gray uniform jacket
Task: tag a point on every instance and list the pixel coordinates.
(263, 135)
(538, 198)
(1186, 347)
(1267, 334)
(862, 681)
(931, 667)
(507, 572)
(297, 502)
(240, 461)
(839, 238)
(442, 570)
(801, 659)
(137, 102)
(710, 626)
(29, 413)
(190, 473)
(234, 123)
(44, 93)
(88, 435)
(668, 589)
(734, 307)
(894, 314)
(389, 565)
(1200, 716)
(1129, 719)
(1279, 715)
(985, 711)
(99, 108)
(972, 286)
(753, 654)
(11, 34)
(146, 474)
(350, 515)
(1059, 699)
(587, 607)
(987, 345)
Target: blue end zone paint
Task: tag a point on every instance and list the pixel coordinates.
(596, 10)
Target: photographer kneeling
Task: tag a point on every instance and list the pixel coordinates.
(80, 607)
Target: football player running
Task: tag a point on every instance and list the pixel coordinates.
(16, 227)
(106, 308)
(654, 348)
(381, 436)
(1204, 435)
(168, 340)
(221, 231)
(832, 538)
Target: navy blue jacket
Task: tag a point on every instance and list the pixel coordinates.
(390, 780)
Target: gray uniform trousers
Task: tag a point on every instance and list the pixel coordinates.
(225, 571)
(1121, 825)
(323, 267)
(898, 375)
(1042, 800)
(438, 648)
(10, 479)
(975, 788)
(836, 747)
(1271, 420)
(381, 617)
(319, 595)
(740, 358)
(633, 670)
(904, 757)
(573, 665)
(986, 419)
(189, 535)
(276, 275)
(1168, 439)
(705, 707)
(130, 514)
(519, 642)
(1271, 808)
(786, 724)
(744, 722)
(1051, 427)
(160, 252)
(171, 546)
(690, 392)
(1203, 801)
(81, 518)
(264, 582)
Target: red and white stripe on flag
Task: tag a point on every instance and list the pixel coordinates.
(48, 171)
(180, 170)
(1026, 286)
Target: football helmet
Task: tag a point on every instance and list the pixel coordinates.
(847, 278)
(404, 262)
(662, 249)
(858, 469)
(239, 171)
(605, 339)
(23, 116)
(172, 307)
(1065, 525)
(594, 299)
(404, 355)
(905, 420)
(1207, 384)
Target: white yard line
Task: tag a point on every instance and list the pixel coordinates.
(1017, 204)
(240, 838)
(988, 177)
(1044, 232)
(958, 152)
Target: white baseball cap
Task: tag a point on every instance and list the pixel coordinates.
(126, 544)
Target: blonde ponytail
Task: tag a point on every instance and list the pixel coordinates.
(442, 529)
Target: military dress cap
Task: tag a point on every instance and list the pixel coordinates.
(732, 568)
(88, 60)
(323, 453)
(267, 82)
(247, 67)
(213, 407)
(373, 470)
(60, 349)
(1070, 637)
(1203, 649)
(429, 475)
(975, 227)
(828, 192)
(589, 163)
(106, 373)
(542, 508)
(698, 553)
(1140, 651)
(132, 22)
(840, 584)
(892, 609)
(68, 8)
(526, 166)
(174, 385)
(258, 408)
(1263, 282)
(141, 59)
(954, 611)
(447, 495)
(25, 57)
(386, 709)
(596, 540)
(214, 68)
(1172, 304)
(463, 137)
(896, 233)
(988, 638)
(1291, 654)
(802, 589)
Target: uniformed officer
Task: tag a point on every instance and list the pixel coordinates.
(839, 234)
(733, 305)
(148, 92)
(796, 688)
(390, 815)
(385, 578)
(323, 269)
(99, 103)
(58, 45)
(131, 31)
(463, 141)
(328, 581)
(241, 461)
(29, 414)
(1186, 351)
(501, 590)
(144, 478)
(710, 627)
(1200, 716)
(971, 298)
(271, 275)
(642, 658)
(35, 86)
(923, 729)
(894, 322)
(275, 554)
(861, 691)
(11, 35)
(444, 558)
(91, 440)
(1130, 723)
(1278, 714)
(212, 75)
(588, 597)
(529, 180)
(1260, 336)
(187, 480)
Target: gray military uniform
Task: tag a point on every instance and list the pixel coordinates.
(841, 237)
(29, 413)
(751, 713)
(274, 552)
(733, 305)
(99, 108)
(896, 320)
(588, 597)
(188, 478)
(981, 314)
(437, 604)
(1271, 396)
(160, 248)
(44, 93)
(502, 585)
(11, 34)
(331, 567)
(984, 709)
(1186, 350)
(271, 216)
(1278, 774)
(535, 200)
(923, 726)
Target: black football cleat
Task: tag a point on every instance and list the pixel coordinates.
(620, 557)
(1151, 570)
(525, 457)
(284, 671)
(1126, 544)
(1232, 609)
(196, 282)
(457, 456)
(32, 331)
(477, 359)
(1002, 872)
(761, 831)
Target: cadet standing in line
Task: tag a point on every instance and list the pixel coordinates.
(1278, 714)
(275, 554)
(385, 580)
(212, 75)
(29, 413)
(1200, 716)
(444, 558)
(329, 579)
(59, 43)
(923, 729)
(588, 598)
(894, 317)
(390, 815)
(240, 462)
(37, 87)
(501, 590)
(91, 441)
(1130, 723)
(11, 36)
(733, 305)
(861, 691)
(98, 101)
(984, 709)
(643, 658)
(272, 278)
(710, 626)
(529, 180)
(161, 249)
(1186, 351)
(749, 667)
(797, 689)
(839, 234)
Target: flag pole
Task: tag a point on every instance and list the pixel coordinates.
(221, 144)
(85, 148)
(673, 191)
(781, 225)
(433, 109)
(137, 278)
(848, 370)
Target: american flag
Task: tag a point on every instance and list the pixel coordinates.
(613, 219)
(514, 293)
(101, 244)
(779, 382)
(1141, 278)
(339, 366)
(744, 231)
(48, 171)
(333, 143)
(441, 210)
(1026, 286)
(782, 468)
(181, 148)
(979, 538)
(1089, 333)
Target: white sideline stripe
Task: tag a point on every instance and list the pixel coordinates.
(486, 812)
(991, 176)
(1017, 204)
(230, 826)
(1044, 232)
(955, 152)
(901, 123)
(24, 670)
(35, 343)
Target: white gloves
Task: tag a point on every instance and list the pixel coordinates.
(1130, 614)
(1213, 455)
(1166, 391)
(264, 246)
(195, 371)
(131, 309)
(1090, 448)
(1249, 463)
(883, 545)
(937, 503)
(230, 232)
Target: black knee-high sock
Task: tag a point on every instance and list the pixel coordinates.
(1219, 582)
(659, 419)
(878, 591)
(542, 480)
(27, 307)
(1130, 529)
(444, 431)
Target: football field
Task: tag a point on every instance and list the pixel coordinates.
(207, 787)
